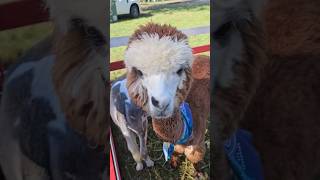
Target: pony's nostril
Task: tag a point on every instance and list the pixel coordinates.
(154, 102)
(166, 106)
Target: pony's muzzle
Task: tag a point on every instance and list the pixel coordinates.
(163, 105)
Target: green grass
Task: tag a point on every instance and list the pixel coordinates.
(179, 16)
(16, 41)
(162, 169)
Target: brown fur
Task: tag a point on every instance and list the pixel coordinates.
(284, 116)
(198, 98)
(293, 27)
(82, 93)
(160, 30)
(140, 98)
(277, 92)
(169, 129)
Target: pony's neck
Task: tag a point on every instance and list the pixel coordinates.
(77, 77)
(169, 129)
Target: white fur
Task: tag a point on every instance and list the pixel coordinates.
(159, 59)
(152, 54)
(93, 12)
(41, 86)
(162, 87)
(123, 88)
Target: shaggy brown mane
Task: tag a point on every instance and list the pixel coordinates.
(137, 93)
(161, 30)
(77, 78)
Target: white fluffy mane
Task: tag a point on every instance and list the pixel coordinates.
(153, 54)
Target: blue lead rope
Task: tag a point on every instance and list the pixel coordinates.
(243, 157)
(186, 115)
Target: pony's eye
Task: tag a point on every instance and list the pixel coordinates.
(137, 71)
(140, 74)
(179, 72)
(222, 30)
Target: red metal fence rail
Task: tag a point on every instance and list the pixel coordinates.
(22, 13)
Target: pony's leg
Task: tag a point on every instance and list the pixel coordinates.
(32, 171)
(10, 160)
(10, 152)
(134, 149)
(178, 149)
(143, 148)
(195, 153)
(55, 138)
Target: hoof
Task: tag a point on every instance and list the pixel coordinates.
(174, 162)
(139, 166)
(149, 162)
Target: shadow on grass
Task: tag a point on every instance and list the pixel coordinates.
(168, 9)
(123, 18)
(179, 7)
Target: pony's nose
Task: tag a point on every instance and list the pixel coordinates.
(163, 105)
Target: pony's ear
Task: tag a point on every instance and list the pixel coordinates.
(137, 92)
(93, 13)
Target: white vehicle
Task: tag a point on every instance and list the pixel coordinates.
(131, 7)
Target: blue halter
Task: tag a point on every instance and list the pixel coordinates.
(186, 115)
(243, 157)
